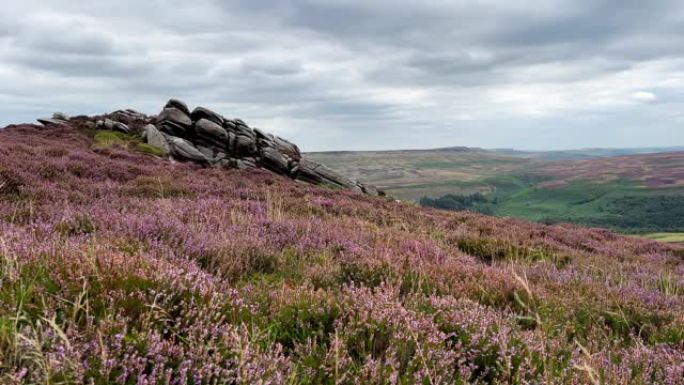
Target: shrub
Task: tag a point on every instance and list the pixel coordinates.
(10, 184)
(156, 187)
(60, 116)
(492, 250)
(80, 224)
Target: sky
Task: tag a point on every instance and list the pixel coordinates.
(360, 74)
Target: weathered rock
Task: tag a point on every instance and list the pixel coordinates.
(370, 190)
(48, 122)
(211, 131)
(229, 125)
(206, 137)
(205, 113)
(241, 129)
(186, 150)
(226, 163)
(244, 145)
(274, 161)
(287, 148)
(176, 116)
(179, 105)
(112, 125)
(263, 135)
(206, 151)
(246, 163)
(316, 173)
(155, 138)
(214, 156)
(128, 115)
(173, 128)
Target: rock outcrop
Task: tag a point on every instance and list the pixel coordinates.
(208, 138)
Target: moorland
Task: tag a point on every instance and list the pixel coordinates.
(632, 191)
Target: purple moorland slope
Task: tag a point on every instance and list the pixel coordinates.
(120, 267)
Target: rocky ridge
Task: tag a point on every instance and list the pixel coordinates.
(208, 138)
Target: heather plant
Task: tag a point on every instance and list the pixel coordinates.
(117, 267)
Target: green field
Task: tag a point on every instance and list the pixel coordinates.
(666, 237)
(620, 205)
(637, 193)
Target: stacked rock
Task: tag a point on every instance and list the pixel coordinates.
(206, 137)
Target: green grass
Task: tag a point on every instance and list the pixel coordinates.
(666, 237)
(575, 201)
(149, 149)
(621, 205)
(106, 138)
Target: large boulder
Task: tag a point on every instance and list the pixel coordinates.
(273, 160)
(183, 149)
(155, 138)
(174, 121)
(370, 190)
(263, 135)
(287, 148)
(244, 145)
(179, 105)
(212, 132)
(128, 115)
(240, 129)
(173, 128)
(205, 113)
(108, 124)
(316, 173)
(51, 122)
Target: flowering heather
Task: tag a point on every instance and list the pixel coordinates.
(118, 267)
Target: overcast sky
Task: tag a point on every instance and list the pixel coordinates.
(361, 74)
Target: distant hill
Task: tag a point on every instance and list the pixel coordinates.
(587, 153)
(631, 190)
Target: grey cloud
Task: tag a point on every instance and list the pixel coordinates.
(342, 74)
(271, 67)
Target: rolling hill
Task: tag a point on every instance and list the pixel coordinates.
(642, 192)
(121, 267)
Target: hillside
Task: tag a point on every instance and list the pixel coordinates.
(119, 266)
(589, 153)
(640, 193)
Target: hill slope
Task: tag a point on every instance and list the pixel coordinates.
(634, 193)
(120, 267)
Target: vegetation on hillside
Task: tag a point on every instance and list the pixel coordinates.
(475, 202)
(640, 193)
(618, 206)
(117, 267)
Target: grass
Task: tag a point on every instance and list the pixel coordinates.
(149, 149)
(666, 237)
(621, 205)
(106, 139)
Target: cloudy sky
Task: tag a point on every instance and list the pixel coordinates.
(359, 74)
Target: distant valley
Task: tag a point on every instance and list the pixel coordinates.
(630, 190)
